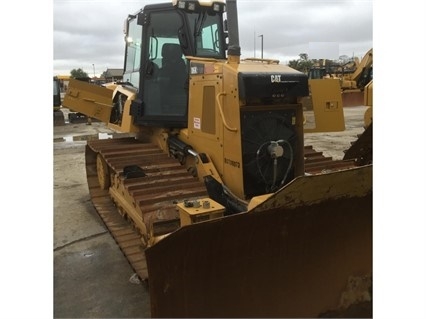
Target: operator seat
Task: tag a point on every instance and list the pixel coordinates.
(173, 84)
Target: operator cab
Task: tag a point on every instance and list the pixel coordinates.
(158, 39)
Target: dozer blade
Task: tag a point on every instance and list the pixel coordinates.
(304, 252)
(91, 100)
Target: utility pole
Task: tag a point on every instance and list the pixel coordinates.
(254, 42)
(94, 70)
(261, 46)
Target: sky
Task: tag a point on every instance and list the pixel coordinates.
(89, 34)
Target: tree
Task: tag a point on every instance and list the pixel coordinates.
(293, 64)
(78, 73)
(303, 64)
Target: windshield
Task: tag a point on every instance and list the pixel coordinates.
(208, 35)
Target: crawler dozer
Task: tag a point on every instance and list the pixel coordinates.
(209, 191)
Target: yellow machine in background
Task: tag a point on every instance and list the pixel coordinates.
(360, 75)
(368, 101)
(353, 77)
(353, 84)
(228, 216)
(329, 91)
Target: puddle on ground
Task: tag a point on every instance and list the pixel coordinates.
(90, 137)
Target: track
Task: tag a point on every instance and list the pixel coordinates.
(154, 196)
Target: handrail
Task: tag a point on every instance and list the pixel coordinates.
(268, 61)
(232, 129)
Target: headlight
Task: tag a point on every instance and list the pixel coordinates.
(194, 5)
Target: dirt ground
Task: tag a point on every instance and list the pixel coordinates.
(335, 143)
(91, 276)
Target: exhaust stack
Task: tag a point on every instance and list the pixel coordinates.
(234, 49)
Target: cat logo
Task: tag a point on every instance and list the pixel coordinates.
(275, 78)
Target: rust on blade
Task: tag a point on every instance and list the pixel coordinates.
(312, 251)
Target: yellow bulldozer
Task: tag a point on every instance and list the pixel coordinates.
(210, 192)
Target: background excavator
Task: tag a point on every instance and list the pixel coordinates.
(209, 191)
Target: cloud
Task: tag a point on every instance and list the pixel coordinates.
(289, 26)
(90, 32)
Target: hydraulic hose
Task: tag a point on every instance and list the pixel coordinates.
(275, 154)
